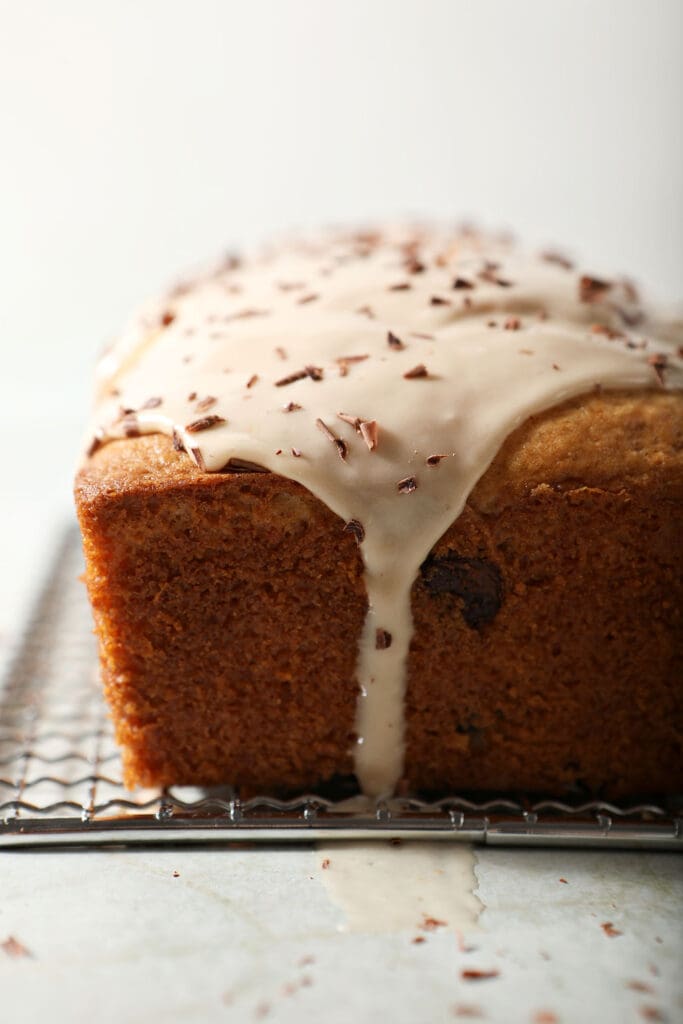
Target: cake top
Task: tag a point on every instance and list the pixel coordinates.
(382, 371)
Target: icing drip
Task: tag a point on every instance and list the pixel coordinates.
(383, 373)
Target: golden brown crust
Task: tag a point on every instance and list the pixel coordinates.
(229, 609)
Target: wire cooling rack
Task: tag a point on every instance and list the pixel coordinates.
(60, 773)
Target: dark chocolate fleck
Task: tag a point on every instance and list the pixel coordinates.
(476, 581)
(382, 639)
(437, 300)
(167, 318)
(462, 282)
(434, 460)
(252, 380)
(341, 446)
(291, 407)
(394, 342)
(591, 289)
(400, 286)
(305, 299)
(205, 423)
(407, 485)
(416, 372)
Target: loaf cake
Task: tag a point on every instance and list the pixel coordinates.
(397, 510)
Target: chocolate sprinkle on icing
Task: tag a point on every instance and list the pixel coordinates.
(462, 282)
(314, 372)
(341, 446)
(206, 403)
(407, 485)
(382, 639)
(355, 527)
(198, 458)
(291, 407)
(205, 423)
(252, 380)
(437, 300)
(369, 433)
(434, 460)
(305, 299)
(178, 445)
(417, 371)
(401, 286)
(592, 289)
(394, 342)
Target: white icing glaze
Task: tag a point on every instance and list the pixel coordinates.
(518, 342)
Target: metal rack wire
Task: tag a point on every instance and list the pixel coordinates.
(60, 774)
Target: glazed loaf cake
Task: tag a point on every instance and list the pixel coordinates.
(400, 509)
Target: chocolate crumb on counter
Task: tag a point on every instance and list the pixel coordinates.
(394, 342)
(416, 372)
(340, 445)
(355, 527)
(382, 639)
(12, 947)
(592, 289)
(152, 403)
(407, 485)
(205, 423)
(434, 460)
(472, 974)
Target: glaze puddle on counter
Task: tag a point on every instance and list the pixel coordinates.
(382, 887)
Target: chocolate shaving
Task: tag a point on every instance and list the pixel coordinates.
(296, 453)
(354, 421)
(417, 371)
(471, 974)
(394, 342)
(659, 363)
(345, 361)
(167, 318)
(437, 300)
(369, 433)
(401, 286)
(462, 282)
(305, 299)
(513, 323)
(434, 460)
(341, 446)
(314, 372)
(550, 256)
(198, 458)
(414, 266)
(592, 289)
(246, 314)
(356, 528)
(178, 445)
(206, 403)
(252, 380)
(291, 407)
(407, 485)
(192, 396)
(382, 639)
(205, 423)
(489, 275)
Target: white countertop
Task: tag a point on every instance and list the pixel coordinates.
(237, 933)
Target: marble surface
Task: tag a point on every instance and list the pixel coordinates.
(241, 933)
